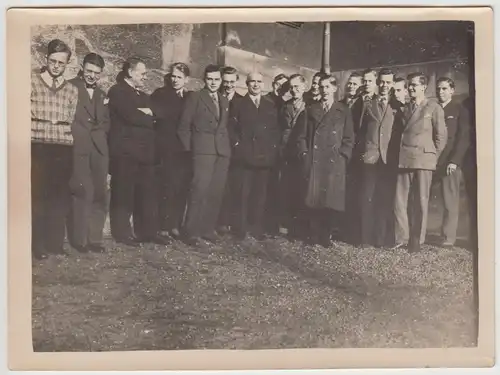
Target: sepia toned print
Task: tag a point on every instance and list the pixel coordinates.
(244, 185)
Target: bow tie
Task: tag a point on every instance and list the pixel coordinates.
(90, 86)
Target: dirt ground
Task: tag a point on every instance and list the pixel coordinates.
(272, 294)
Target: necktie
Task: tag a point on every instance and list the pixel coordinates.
(54, 85)
(179, 94)
(326, 107)
(256, 101)
(216, 101)
(383, 103)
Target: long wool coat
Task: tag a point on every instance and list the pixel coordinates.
(325, 142)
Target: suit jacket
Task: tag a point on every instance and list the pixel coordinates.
(91, 124)
(202, 129)
(167, 107)
(457, 124)
(288, 118)
(377, 125)
(255, 133)
(424, 136)
(344, 100)
(132, 132)
(325, 140)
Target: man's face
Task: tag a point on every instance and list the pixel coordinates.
(370, 83)
(353, 85)
(213, 81)
(229, 83)
(56, 63)
(415, 88)
(91, 73)
(315, 86)
(278, 86)
(254, 83)
(177, 79)
(400, 92)
(385, 84)
(327, 89)
(297, 88)
(444, 92)
(138, 74)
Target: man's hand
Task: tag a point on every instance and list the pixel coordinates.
(147, 111)
(451, 168)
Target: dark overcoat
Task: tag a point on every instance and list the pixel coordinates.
(325, 141)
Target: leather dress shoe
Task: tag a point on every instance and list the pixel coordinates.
(81, 249)
(96, 248)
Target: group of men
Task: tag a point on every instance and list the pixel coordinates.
(193, 165)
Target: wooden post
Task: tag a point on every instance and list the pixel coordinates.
(325, 63)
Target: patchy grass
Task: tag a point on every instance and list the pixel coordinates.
(272, 294)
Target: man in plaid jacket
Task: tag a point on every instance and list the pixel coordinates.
(53, 106)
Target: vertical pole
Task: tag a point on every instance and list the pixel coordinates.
(325, 64)
(220, 51)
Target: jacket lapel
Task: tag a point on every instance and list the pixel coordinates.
(205, 96)
(410, 116)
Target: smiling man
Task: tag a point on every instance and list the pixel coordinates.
(90, 158)
(422, 142)
(203, 131)
(53, 106)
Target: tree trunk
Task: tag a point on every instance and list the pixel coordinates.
(175, 43)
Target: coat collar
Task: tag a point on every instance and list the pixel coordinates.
(207, 99)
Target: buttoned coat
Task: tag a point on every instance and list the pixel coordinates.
(255, 132)
(325, 140)
(424, 136)
(202, 129)
(91, 124)
(288, 119)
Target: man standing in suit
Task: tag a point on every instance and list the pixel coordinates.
(449, 166)
(175, 170)
(379, 116)
(354, 86)
(355, 165)
(422, 141)
(53, 106)
(255, 137)
(203, 131)
(90, 159)
(228, 211)
(133, 161)
(325, 140)
(290, 167)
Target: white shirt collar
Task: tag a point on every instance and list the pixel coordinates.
(49, 79)
(444, 104)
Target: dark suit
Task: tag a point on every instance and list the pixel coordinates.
(90, 166)
(203, 131)
(378, 176)
(457, 124)
(423, 139)
(255, 135)
(132, 148)
(290, 177)
(175, 165)
(352, 222)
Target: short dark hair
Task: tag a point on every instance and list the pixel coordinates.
(421, 76)
(57, 45)
(318, 74)
(446, 79)
(386, 72)
(94, 59)
(212, 68)
(299, 76)
(370, 70)
(130, 63)
(330, 77)
(181, 67)
(230, 70)
(279, 77)
(356, 75)
(401, 79)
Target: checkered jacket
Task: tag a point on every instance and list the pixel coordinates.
(52, 111)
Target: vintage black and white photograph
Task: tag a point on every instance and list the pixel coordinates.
(253, 185)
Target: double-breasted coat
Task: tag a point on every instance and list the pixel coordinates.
(325, 142)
